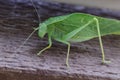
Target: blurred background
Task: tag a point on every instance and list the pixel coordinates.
(108, 4)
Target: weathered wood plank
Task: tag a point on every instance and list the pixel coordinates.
(18, 17)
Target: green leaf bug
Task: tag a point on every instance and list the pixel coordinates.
(76, 27)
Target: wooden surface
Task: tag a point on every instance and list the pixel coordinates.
(17, 20)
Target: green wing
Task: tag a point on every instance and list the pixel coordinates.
(107, 27)
(63, 25)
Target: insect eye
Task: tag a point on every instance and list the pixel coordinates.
(42, 30)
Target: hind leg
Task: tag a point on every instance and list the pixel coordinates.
(100, 41)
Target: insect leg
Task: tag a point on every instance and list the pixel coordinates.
(100, 41)
(50, 44)
(74, 32)
(68, 51)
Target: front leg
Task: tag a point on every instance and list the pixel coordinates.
(50, 44)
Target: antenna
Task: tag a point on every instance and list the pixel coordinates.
(34, 29)
(36, 11)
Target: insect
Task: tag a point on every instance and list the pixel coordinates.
(77, 27)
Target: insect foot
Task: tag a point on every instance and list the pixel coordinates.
(106, 62)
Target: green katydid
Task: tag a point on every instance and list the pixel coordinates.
(77, 27)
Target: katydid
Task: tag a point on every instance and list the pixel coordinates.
(77, 27)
